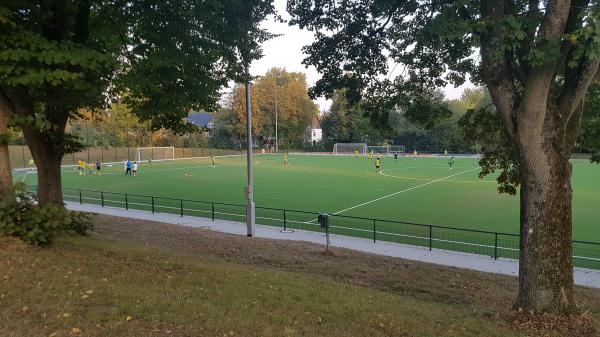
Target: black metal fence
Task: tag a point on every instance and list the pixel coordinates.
(493, 244)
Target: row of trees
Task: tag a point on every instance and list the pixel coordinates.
(351, 123)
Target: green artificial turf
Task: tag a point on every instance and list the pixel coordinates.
(423, 190)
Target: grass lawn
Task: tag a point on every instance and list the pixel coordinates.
(421, 190)
(135, 278)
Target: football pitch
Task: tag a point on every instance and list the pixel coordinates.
(420, 190)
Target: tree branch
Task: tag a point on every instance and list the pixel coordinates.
(572, 129)
(574, 90)
(496, 72)
(390, 15)
(533, 106)
(82, 22)
(566, 50)
(527, 42)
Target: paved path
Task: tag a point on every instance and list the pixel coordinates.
(584, 277)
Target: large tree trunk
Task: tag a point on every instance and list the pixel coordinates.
(46, 145)
(47, 160)
(6, 182)
(546, 248)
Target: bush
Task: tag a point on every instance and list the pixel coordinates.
(22, 217)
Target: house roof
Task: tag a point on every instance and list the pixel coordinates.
(315, 123)
(201, 119)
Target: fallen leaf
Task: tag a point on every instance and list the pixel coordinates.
(128, 318)
(75, 331)
(66, 315)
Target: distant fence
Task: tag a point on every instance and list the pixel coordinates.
(20, 154)
(493, 244)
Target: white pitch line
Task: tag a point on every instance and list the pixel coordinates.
(405, 190)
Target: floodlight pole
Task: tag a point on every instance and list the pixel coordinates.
(250, 215)
(276, 137)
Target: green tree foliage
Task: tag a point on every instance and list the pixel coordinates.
(589, 138)
(22, 217)
(161, 58)
(438, 134)
(347, 123)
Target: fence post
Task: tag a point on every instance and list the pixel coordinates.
(102, 198)
(495, 246)
(430, 237)
(181, 206)
(212, 204)
(126, 203)
(80, 198)
(152, 197)
(374, 230)
(284, 220)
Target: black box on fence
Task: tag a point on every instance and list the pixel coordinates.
(324, 220)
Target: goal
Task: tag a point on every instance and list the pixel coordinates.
(155, 153)
(385, 149)
(349, 148)
(399, 149)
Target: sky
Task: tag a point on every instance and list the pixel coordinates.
(285, 51)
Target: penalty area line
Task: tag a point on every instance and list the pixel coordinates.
(404, 191)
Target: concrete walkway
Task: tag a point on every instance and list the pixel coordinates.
(584, 277)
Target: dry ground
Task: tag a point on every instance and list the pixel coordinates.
(140, 278)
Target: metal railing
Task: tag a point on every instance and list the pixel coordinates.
(493, 244)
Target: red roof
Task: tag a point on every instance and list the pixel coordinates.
(315, 123)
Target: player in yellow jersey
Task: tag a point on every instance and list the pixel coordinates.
(371, 155)
(356, 153)
(285, 160)
(82, 167)
(378, 164)
(213, 161)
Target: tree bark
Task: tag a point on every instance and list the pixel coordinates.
(6, 182)
(546, 246)
(47, 161)
(46, 146)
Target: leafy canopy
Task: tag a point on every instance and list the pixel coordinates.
(162, 57)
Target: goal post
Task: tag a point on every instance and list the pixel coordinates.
(155, 153)
(382, 150)
(349, 148)
(386, 150)
(399, 149)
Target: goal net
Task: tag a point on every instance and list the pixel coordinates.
(155, 153)
(385, 149)
(349, 148)
(397, 149)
